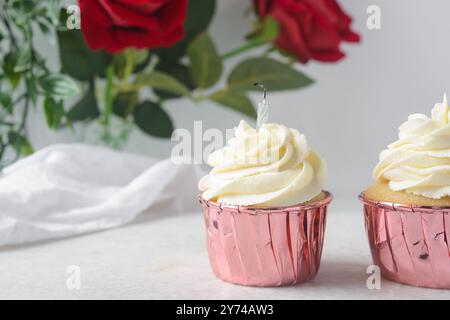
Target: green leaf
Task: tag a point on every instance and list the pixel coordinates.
(23, 59)
(6, 101)
(53, 8)
(139, 63)
(25, 6)
(179, 72)
(9, 63)
(153, 120)
(237, 101)
(163, 81)
(139, 56)
(32, 88)
(58, 85)
(108, 97)
(54, 112)
(62, 17)
(20, 143)
(25, 147)
(77, 60)
(273, 74)
(200, 14)
(206, 65)
(124, 103)
(86, 108)
(43, 26)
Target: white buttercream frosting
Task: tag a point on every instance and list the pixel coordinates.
(272, 166)
(419, 161)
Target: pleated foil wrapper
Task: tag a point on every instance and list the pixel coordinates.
(265, 247)
(409, 243)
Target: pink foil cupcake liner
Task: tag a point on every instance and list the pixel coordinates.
(265, 246)
(409, 243)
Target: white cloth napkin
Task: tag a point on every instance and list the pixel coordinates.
(70, 189)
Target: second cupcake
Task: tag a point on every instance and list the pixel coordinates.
(407, 212)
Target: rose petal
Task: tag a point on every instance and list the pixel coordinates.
(116, 25)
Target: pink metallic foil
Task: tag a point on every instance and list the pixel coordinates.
(265, 246)
(409, 243)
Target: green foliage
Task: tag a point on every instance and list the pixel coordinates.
(26, 80)
(163, 81)
(58, 86)
(9, 66)
(77, 60)
(20, 143)
(124, 103)
(206, 65)
(200, 14)
(31, 83)
(24, 58)
(6, 101)
(179, 72)
(153, 120)
(108, 101)
(86, 108)
(54, 112)
(236, 101)
(273, 74)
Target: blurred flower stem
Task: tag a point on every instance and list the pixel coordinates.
(108, 98)
(246, 47)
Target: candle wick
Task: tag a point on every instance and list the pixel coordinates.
(257, 84)
(263, 109)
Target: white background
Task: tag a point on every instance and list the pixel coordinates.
(355, 107)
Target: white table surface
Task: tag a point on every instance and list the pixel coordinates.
(163, 256)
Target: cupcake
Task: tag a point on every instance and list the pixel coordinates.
(407, 211)
(264, 207)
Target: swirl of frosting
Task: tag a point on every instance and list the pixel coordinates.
(272, 166)
(419, 162)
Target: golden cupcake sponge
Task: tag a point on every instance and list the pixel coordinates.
(380, 191)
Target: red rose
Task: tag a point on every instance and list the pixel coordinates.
(309, 29)
(118, 24)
